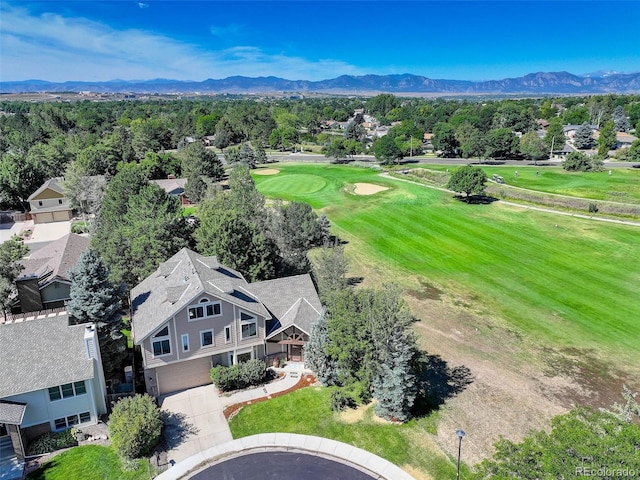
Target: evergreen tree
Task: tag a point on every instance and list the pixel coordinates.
(329, 270)
(195, 188)
(247, 156)
(620, 120)
(11, 252)
(94, 299)
(583, 138)
(261, 155)
(315, 355)
(606, 140)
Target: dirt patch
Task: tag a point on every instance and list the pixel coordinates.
(266, 171)
(354, 415)
(368, 189)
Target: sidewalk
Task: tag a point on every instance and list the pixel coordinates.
(292, 374)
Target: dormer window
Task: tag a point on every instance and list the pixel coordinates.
(40, 203)
(205, 309)
(59, 201)
(161, 343)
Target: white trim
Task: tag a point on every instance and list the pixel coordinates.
(204, 306)
(246, 322)
(213, 338)
(227, 334)
(166, 337)
(182, 344)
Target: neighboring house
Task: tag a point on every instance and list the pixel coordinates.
(624, 140)
(48, 203)
(51, 378)
(44, 283)
(194, 313)
(570, 131)
(175, 187)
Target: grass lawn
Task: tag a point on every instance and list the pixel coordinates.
(622, 186)
(570, 285)
(307, 412)
(89, 462)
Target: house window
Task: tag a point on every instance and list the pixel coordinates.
(185, 342)
(227, 334)
(71, 420)
(244, 357)
(59, 201)
(206, 309)
(206, 338)
(248, 325)
(67, 390)
(40, 203)
(161, 343)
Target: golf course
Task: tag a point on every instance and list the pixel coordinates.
(562, 281)
(541, 308)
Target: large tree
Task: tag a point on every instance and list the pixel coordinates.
(555, 137)
(11, 252)
(533, 146)
(583, 139)
(606, 139)
(501, 143)
(138, 227)
(386, 151)
(94, 299)
(469, 180)
(620, 120)
(580, 443)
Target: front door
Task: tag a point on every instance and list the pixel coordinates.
(296, 353)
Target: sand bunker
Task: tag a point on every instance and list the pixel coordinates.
(266, 171)
(368, 189)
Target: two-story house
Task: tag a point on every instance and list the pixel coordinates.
(193, 313)
(48, 203)
(44, 282)
(51, 378)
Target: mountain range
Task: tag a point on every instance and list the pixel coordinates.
(533, 83)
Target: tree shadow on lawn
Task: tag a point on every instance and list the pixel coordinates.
(438, 382)
(477, 199)
(176, 429)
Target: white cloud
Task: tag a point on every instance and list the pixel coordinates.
(143, 5)
(56, 48)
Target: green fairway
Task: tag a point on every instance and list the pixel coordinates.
(307, 412)
(623, 185)
(564, 282)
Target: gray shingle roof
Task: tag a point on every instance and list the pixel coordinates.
(12, 412)
(177, 282)
(290, 300)
(57, 257)
(42, 353)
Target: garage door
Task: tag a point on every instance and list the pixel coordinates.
(44, 218)
(61, 216)
(183, 375)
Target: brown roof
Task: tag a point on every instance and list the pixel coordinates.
(56, 258)
(173, 186)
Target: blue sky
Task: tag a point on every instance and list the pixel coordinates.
(313, 40)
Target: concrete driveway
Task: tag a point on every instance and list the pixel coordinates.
(48, 232)
(193, 422)
(8, 230)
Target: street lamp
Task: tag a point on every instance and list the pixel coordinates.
(460, 434)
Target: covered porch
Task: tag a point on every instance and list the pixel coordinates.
(287, 344)
(12, 440)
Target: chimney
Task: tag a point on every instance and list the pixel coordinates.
(29, 293)
(90, 341)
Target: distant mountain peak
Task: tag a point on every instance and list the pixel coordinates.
(543, 83)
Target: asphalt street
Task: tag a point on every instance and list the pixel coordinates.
(281, 466)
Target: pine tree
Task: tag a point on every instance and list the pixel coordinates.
(94, 299)
(583, 138)
(315, 355)
(620, 120)
(606, 140)
(11, 252)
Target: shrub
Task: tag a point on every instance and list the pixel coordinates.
(579, 162)
(253, 372)
(341, 399)
(135, 426)
(80, 227)
(593, 208)
(50, 442)
(239, 376)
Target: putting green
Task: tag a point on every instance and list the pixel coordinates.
(296, 184)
